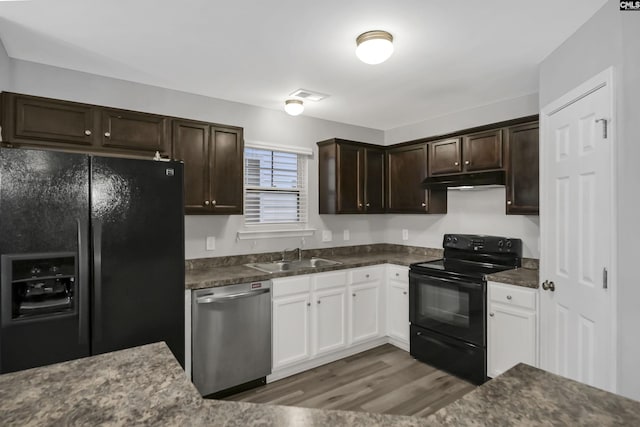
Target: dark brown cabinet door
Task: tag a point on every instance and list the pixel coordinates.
(191, 145)
(482, 151)
(374, 180)
(226, 153)
(523, 187)
(136, 132)
(46, 122)
(444, 157)
(349, 171)
(406, 169)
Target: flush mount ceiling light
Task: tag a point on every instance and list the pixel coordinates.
(293, 107)
(374, 47)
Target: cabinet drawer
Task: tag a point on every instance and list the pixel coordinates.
(368, 274)
(291, 285)
(512, 295)
(398, 272)
(330, 279)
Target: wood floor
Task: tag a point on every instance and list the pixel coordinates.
(383, 380)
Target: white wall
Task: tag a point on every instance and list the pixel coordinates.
(469, 212)
(4, 68)
(587, 52)
(526, 105)
(259, 124)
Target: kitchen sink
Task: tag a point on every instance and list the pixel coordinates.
(280, 266)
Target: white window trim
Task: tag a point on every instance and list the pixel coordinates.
(268, 231)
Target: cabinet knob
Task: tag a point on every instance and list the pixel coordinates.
(308, 304)
(509, 297)
(467, 162)
(508, 202)
(213, 203)
(318, 301)
(366, 275)
(107, 134)
(491, 314)
(206, 203)
(397, 274)
(353, 295)
(404, 292)
(359, 205)
(87, 132)
(368, 204)
(424, 205)
(456, 163)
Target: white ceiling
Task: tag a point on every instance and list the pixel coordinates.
(449, 55)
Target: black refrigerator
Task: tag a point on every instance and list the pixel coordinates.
(92, 256)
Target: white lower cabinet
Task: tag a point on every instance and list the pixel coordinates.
(329, 312)
(291, 320)
(365, 304)
(512, 335)
(398, 304)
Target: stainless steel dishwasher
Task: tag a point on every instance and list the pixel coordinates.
(231, 327)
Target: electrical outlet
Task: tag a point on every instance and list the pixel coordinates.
(211, 243)
(405, 234)
(346, 236)
(327, 236)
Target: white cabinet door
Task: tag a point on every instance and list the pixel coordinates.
(398, 310)
(329, 320)
(511, 338)
(291, 341)
(364, 310)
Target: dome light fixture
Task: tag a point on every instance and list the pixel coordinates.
(374, 47)
(293, 107)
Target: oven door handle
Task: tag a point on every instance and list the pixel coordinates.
(468, 348)
(454, 283)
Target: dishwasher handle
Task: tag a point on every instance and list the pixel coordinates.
(208, 299)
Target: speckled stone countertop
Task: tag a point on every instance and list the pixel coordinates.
(527, 396)
(525, 277)
(231, 270)
(146, 386)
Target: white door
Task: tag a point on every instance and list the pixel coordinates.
(290, 329)
(511, 338)
(329, 320)
(364, 309)
(576, 230)
(398, 310)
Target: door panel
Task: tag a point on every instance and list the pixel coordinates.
(350, 171)
(482, 151)
(511, 338)
(398, 310)
(374, 181)
(365, 320)
(330, 320)
(138, 243)
(291, 341)
(191, 145)
(444, 157)
(523, 186)
(137, 132)
(226, 151)
(577, 242)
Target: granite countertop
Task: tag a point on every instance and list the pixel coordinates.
(525, 277)
(146, 386)
(528, 396)
(215, 276)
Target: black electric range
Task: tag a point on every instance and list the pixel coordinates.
(448, 302)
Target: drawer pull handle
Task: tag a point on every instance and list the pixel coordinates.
(87, 132)
(491, 314)
(509, 297)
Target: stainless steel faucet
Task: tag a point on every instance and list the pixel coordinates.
(284, 253)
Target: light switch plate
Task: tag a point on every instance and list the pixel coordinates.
(327, 236)
(346, 236)
(405, 234)
(211, 243)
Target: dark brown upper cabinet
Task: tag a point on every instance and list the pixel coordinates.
(406, 169)
(523, 188)
(444, 157)
(213, 166)
(482, 151)
(351, 177)
(132, 131)
(50, 123)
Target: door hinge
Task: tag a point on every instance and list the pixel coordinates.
(605, 122)
(605, 278)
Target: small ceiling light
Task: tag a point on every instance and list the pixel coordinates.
(293, 107)
(374, 47)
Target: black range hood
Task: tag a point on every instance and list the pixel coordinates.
(463, 180)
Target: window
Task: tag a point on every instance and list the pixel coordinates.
(275, 187)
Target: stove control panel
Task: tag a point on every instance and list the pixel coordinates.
(482, 244)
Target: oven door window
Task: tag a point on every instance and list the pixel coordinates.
(448, 307)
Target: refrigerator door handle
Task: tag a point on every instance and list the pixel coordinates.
(97, 280)
(83, 283)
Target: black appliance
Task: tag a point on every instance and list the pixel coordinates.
(92, 256)
(448, 302)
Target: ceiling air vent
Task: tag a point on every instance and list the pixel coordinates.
(308, 95)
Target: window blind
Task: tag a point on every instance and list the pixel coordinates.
(275, 187)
